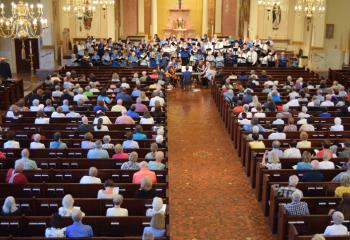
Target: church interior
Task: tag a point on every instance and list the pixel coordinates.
(175, 119)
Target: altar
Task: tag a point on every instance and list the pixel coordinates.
(179, 23)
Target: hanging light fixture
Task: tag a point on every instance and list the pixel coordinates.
(268, 4)
(80, 8)
(26, 21)
(310, 7)
(103, 3)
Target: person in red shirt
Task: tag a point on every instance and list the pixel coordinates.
(144, 172)
(16, 176)
(325, 150)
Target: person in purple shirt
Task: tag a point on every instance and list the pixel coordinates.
(78, 229)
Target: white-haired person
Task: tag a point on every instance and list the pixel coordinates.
(109, 191)
(297, 207)
(326, 163)
(67, 206)
(337, 229)
(152, 154)
(36, 106)
(97, 152)
(124, 119)
(116, 210)
(36, 144)
(144, 172)
(146, 190)
(157, 163)
(107, 142)
(91, 178)
(157, 207)
(337, 127)
(9, 208)
(56, 229)
(85, 126)
(132, 163)
(78, 229)
(344, 186)
(49, 106)
(287, 191)
(157, 226)
(58, 113)
(27, 163)
(273, 162)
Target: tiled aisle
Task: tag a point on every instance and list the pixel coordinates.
(210, 197)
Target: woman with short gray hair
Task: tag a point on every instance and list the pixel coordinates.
(132, 163)
(296, 207)
(337, 229)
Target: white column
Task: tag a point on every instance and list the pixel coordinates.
(218, 16)
(121, 20)
(154, 21)
(111, 22)
(205, 17)
(253, 20)
(141, 16)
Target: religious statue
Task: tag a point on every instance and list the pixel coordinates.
(276, 16)
(180, 23)
(88, 19)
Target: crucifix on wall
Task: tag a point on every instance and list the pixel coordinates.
(180, 3)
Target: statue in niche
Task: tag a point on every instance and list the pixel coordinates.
(276, 16)
(88, 20)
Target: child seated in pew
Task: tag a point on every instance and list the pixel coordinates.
(337, 229)
(109, 191)
(56, 229)
(297, 207)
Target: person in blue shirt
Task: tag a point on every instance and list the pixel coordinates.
(282, 60)
(136, 92)
(115, 58)
(138, 134)
(98, 152)
(132, 113)
(157, 227)
(133, 60)
(100, 106)
(187, 79)
(325, 113)
(96, 59)
(124, 96)
(184, 56)
(104, 97)
(243, 76)
(253, 122)
(247, 97)
(78, 229)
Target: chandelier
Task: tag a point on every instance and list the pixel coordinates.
(103, 3)
(80, 8)
(268, 3)
(26, 21)
(310, 7)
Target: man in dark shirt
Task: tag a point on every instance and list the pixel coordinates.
(5, 69)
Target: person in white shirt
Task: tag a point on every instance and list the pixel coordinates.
(252, 57)
(56, 229)
(129, 143)
(325, 163)
(109, 191)
(57, 93)
(124, 84)
(72, 113)
(337, 229)
(11, 143)
(292, 151)
(293, 95)
(58, 113)
(147, 118)
(327, 102)
(308, 127)
(103, 116)
(41, 118)
(100, 127)
(80, 96)
(156, 98)
(303, 113)
(337, 125)
(107, 142)
(119, 107)
(243, 119)
(117, 211)
(157, 207)
(92, 178)
(37, 144)
(293, 102)
(67, 206)
(36, 106)
(279, 134)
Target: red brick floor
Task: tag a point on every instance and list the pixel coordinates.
(210, 197)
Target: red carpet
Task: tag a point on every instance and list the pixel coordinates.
(210, 197)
